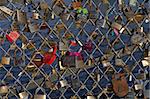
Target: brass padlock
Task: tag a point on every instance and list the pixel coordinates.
(78, 24)
(43, 5)
(30, 68)
(60, 27)
(23, 95)
(39, 96)
(4, 89)
(37, 59)
(90, 97)
(5, 60)
(106, 63)
(116, 26)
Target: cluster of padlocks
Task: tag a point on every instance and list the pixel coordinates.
(74, 49)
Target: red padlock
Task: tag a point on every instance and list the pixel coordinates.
(49, 57)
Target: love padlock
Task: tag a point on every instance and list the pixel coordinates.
(49, 57)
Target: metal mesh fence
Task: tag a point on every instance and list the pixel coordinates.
(112, 36)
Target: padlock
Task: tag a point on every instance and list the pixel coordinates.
(3, 2)
(141, 76)
(35, 15)
(80, 64)
(146, 62)
(63, 83)
(4, 89)
(60, 65)
(15, 26)
(109, 88)
(47, 15)
(119, 62)
(132, 2)
(12, 36)
(65, 16)
(75, 83)
(23, 95)
(76, 5)
(23, 39)
(58, 10)
(49, 85)
(2, 39)
(116, 26)
(30, 68)
(54, 77)
(146, 93)
(106, 63)
(136, 38)
(43, 5)
(78, 23)
(39, 96)
(49, 57)
(30, 45)
(88, 46)
(21, 17)
(90, 97)
(74, 97)
(60, 27)
(18, 1)
(68, 61)
(94, 35)
(37, 59)
(6, 10)
(1, 65)
(105, 1)
(63, 45)
(5, 60)
(138, 86)
(120, 85)
(128, 13)
(130, 95)
(33, 27)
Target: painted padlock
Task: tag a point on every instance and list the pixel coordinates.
(49, 57)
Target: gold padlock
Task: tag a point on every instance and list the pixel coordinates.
(4, 89)
(37, 96)
(5, 60)
(23, 95)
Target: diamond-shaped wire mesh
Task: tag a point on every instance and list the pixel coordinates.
(108, 44)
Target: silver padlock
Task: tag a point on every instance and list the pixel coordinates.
(63, 45)
(6, 10)
(21, 17)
